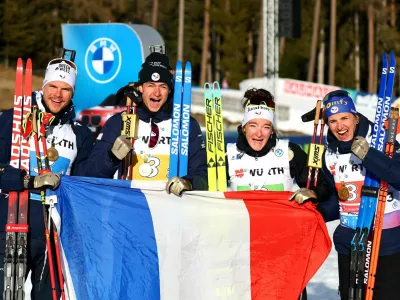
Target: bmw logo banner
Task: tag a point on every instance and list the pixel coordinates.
(108, 56)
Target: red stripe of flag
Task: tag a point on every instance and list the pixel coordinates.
(288, 243)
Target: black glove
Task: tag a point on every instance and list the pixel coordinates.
(128, 91)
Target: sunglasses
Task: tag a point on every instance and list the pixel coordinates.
(63, 61)
(338, 93)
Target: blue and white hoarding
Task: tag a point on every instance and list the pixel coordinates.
(108, 56)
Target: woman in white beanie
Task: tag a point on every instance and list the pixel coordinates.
(68, 146)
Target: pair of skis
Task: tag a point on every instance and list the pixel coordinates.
(24, 126)
(215, 142)
(15, 256)
(179, 147)
(361, 244)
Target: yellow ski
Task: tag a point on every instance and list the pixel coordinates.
(219, 139)
(210, 138)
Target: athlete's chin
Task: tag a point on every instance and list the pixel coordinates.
(256, 146)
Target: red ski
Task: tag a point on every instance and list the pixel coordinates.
(15, 257)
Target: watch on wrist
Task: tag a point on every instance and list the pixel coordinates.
(26, 181)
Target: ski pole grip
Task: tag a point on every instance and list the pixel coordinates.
(34, 120)
(317, 112)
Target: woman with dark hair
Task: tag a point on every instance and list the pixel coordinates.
(268, 162)
(260, 160)
(345, 162)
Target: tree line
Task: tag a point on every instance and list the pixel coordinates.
(363, 30)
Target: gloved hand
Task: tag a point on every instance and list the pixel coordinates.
(360, 147)
(121, 147)
(48, 180)
(177, 185)
(302, 195)
(128, 91)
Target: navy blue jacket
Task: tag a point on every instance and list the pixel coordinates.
(11, 179)
(100, 164)
(383, 167)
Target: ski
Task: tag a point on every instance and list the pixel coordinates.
(15, 257)
(362, 241)
(185, 122)
(176, 122)
(216, 162)
(210, 138)
(219, 138)
(380, 211)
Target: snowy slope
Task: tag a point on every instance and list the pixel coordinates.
(324, 285)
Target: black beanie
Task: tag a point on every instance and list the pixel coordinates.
(156, 74)
(156, 59)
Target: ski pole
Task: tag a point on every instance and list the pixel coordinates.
(130, 124)
(41, 171)
(379, 215)
(46, 120)
(316, 150)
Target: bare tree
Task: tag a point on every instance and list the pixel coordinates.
(371, 48)
(154, 20)
(392, 13)
(313, 50)
(206, 43)
(259, 70)
(321, 57)
(357, 50)
(181, 28)
(332, 44)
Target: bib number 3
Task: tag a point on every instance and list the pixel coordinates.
(149, 169)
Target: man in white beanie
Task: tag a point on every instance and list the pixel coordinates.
(68, 144)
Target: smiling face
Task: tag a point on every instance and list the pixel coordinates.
(343, 126)
(257, 133)
(57, 95)
(154, 94)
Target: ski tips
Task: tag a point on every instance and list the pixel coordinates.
(392, 58)
(188, 67)
(28, 64)
(178, 65)
(215, 85)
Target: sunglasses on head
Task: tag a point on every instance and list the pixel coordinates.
(338, 93)
(64, 61)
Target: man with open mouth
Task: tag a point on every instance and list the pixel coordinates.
(152, 95)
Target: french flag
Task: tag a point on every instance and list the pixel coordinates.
(124, 242)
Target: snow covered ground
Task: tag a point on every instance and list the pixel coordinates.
(324, 285)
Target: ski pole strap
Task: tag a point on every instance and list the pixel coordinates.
(27, 130)
(369, 191)
(45, 120)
